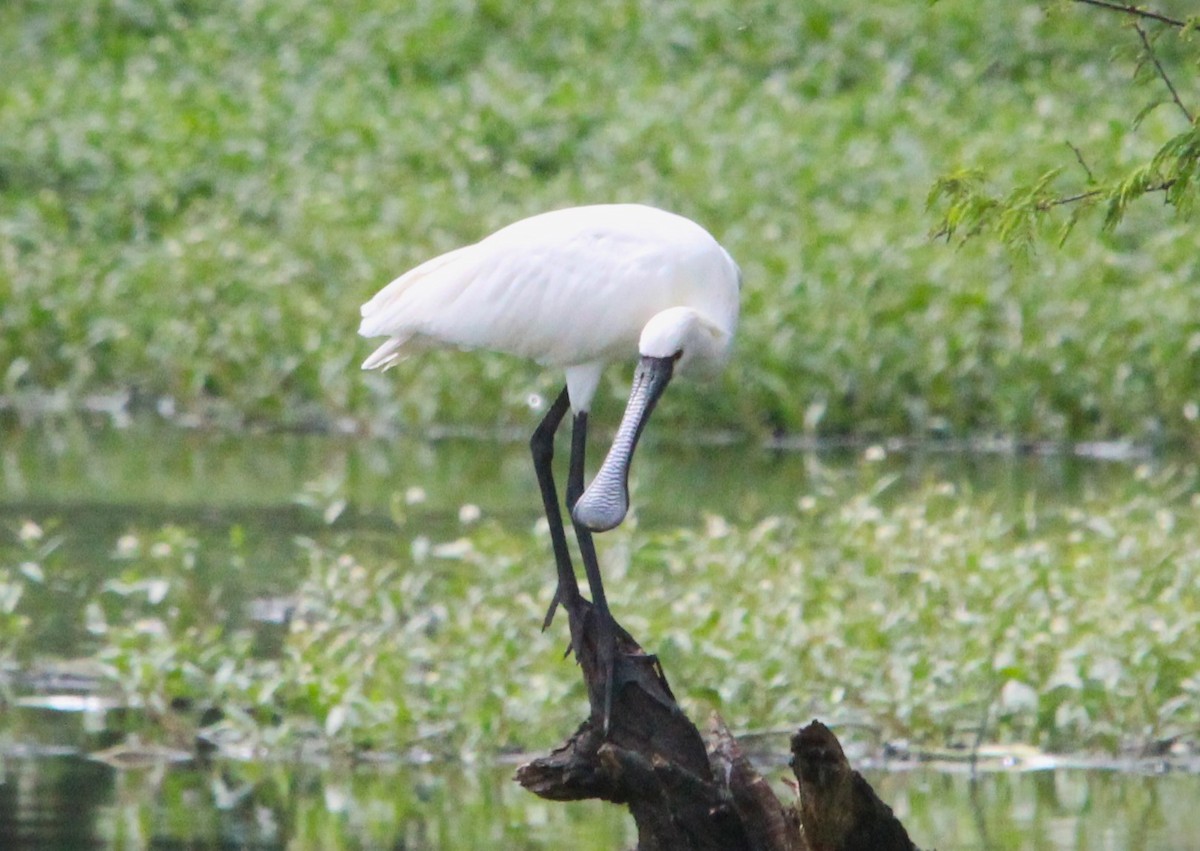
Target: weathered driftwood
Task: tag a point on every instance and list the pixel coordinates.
(685, 793)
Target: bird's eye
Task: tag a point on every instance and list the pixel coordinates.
(677, 355)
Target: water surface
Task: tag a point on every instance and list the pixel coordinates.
(254, 493)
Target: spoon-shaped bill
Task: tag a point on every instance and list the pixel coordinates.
(605, 502)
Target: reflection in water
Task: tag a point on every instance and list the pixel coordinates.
(149, 472)
(1061, 809)
(75, 803)
(55, 802)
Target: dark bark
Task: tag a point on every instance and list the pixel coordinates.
(839, 809)
(686, 794)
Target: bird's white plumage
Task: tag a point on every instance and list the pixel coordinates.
(572, 288)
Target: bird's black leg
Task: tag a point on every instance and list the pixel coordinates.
(606, 627)
(542, 446)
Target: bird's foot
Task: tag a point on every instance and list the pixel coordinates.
(571, 601)
(611, 660)
(549, 619)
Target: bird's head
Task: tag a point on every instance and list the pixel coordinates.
(686, 336)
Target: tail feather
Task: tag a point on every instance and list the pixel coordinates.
(387, 355)
(385, 312)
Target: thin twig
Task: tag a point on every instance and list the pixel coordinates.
(1092, 193)
(1136, 11)
(1068, 199)
(1161, 71)
(1082, 162)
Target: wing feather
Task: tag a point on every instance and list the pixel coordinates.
(564, 288)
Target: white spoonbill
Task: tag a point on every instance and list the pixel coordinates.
(575, 289)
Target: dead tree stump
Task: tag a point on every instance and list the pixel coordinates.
(686, 793)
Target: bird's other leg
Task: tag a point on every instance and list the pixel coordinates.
(606, 626)
(542, 447)
(574, 490)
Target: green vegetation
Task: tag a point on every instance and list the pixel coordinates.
(196, 195)
(925, 613)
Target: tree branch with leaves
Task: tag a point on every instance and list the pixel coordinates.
(967, 204)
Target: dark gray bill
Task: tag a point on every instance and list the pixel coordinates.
(605, 502)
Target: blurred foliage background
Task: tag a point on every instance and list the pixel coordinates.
(196, 195)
